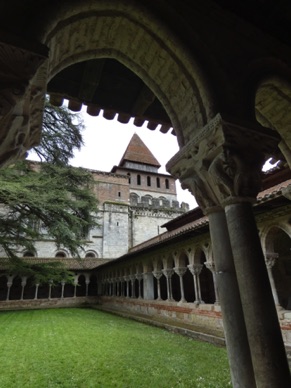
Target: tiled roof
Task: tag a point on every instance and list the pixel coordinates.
(272, 192)
(138, 152)
(69, 263)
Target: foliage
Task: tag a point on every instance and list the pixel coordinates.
(52, 198)
(123, 353)
(61, 135)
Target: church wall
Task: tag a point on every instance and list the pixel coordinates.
(147, 223)
(115, 230)
(111, 187)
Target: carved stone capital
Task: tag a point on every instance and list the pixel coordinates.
(180, 270)
(22, 87)
(168, 272)
(223, 162)
(195, 269)
(139, 276)
(157, 274)
(270, 259)
(210, 265)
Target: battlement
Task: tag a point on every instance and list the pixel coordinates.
(147, 201)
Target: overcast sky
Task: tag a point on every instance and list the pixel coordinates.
(106, 141)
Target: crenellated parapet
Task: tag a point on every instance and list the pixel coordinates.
(149, 202)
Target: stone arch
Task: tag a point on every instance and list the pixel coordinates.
(188, 280)
(130, 34)
(205, 277)
(272, 103)
(62, 253)
(29, 289)
(29, 254)
(16, 288)
(91, 254)
(272, 100)
(3, 287)
(93, 285)
(134, 199)
(278, 246)
(81, 286)
(268, 235)
(199, 255)
(43, 291)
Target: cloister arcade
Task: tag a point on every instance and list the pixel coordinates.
(221, 76)
(14, 287)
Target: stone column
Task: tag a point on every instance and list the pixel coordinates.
(195, 270)
(63, 288)
(75, 287)
(117, 286)
(9, 284)
(264, 333)
(122, 286)
(126, 278)
(148, 285)
(158, 275)
(110, 283)
(238, 349)
(211, 266)
(23, 284)
(222, 167)
(168, 272)
(113, 286)
(36, 291)
(270, 260)
(191, 269)
(87, 282)
(132, 280)
(180, 271)
(50, 289)
(139, 277)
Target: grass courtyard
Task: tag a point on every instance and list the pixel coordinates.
(86, 348)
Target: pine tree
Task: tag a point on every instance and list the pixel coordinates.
(48, 195)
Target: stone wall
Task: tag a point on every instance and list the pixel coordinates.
(30, 304)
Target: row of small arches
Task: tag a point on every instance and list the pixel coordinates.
(64, 254)
(149, 200)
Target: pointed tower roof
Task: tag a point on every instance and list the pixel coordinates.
(138, 152)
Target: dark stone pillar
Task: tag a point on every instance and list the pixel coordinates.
(263, 329)
(238, 350)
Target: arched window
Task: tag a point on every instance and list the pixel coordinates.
(158, 182)
(28, 254)
(167, 183)
(134, 198)
(61, 254)
(149, 181)
(90, 255)
(138, 180)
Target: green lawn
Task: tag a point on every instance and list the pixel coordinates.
(87, 348)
